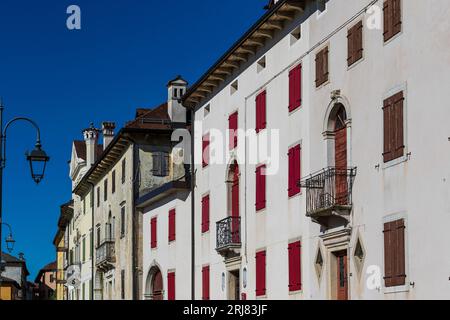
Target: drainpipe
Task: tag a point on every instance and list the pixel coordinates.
(193, 178)
(135, 225)
(92, 239)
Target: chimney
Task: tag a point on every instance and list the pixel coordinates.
(21, 256)
(176, 89)
(108, 133)
(90, 139)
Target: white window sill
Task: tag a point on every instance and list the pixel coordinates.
(395, 162)
(398, 289)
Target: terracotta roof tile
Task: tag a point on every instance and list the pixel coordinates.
(157, 118)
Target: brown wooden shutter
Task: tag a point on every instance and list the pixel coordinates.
(350, 45)
(387, 20)
(400, 272)
(397, 104)
(325, 65)
(318, 69)
(358, 47)
(387, 154)
(396, 17)
(388, 255)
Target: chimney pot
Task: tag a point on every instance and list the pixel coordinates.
(108, 133)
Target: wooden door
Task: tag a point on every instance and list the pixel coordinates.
(157, 286)
(235, 225)
(342, 275)
(340, 154)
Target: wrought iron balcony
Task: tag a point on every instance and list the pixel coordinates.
(105, 255)
(329, 193)
(229, 237)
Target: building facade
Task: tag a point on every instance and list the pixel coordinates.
(14, 285)
(46, 282)
(339, 89)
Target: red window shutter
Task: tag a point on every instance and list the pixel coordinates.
(205, 283)
(205, 214)
(172, 224)
(205, 148)
(295, 88)
(233, 126)
(153, 233)
(171, 286)
(260, 188)
(295, 267)
(261, 101)
(294, 170)
(261, 274)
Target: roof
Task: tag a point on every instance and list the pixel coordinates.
(247, 46)
(64, 218)
(9, 281)
(9, 259)
(80, 149)
(51, 267)
(157, 118)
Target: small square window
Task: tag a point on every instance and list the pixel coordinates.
(234, 87)
(261, 64)
(296, 34)
(207, 110)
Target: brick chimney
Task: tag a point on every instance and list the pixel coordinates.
(108, 133)
(91, 139)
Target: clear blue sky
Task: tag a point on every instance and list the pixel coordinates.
(122, 58)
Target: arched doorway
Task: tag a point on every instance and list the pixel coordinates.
(154, 289)
(339, 119)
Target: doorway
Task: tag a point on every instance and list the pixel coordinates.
(341, 275)
(157, 292)
(234, 290)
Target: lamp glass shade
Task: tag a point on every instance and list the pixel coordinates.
(38, 161)
(10, 242)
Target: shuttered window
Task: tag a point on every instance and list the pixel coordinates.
(261, 103)
(113, 182)
(171, 286)
(205, 283)
(394, 145)
(261, 274)
(355, 43)
(124, 166)
(392, 17)
(122, 222)
(160, 164)
(233, 126)
(205, 214)
(260, 187)
(105, 190)
(295, 278)
(295, 88)
(322, 67)
(172, 225)
(394, 253)
(205, 150)
(294, 170)
(153, 228)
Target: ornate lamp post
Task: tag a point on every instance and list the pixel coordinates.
(10, 242)
(37, 158)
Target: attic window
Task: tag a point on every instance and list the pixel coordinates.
(234, 87)
(261, 64)
(207, 110)
(296, 34)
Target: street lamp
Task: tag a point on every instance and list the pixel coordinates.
(10, 242)
(37, 158)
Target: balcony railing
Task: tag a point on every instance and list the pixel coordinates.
(228, 233)
(329, 189)
(105, 253)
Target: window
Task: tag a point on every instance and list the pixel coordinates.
(105, 190)
(261, 64)
(318, 263)
(205, 153)
(153, 234)
(321, 5)
(394, 253)
(91, 243)
(124, 166)
(98, 236)
(160, 164)
(98, 197)
(122, 284)
(234, 87)
(296, 34)
(205, 283)
(171, 286)
(321, 67)
(295, 278)
(83, 291)
(394, 146)
(392, 17)
(295, 88)
(260, 187)
(261, 274)
(261, 102)
(205, 214)
(207, 110)
(294, 170)
(232, 127)
(172, 225)
(113, 182)
(84, 205)
(355, 43)
(122, 222)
